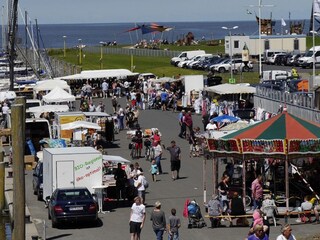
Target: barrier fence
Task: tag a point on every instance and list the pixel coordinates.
(299, 104)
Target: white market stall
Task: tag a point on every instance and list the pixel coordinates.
(47, 108)
(227, 88)
(101, 74)
(48, 85)
(58, 95)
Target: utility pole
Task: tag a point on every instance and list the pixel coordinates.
(19, 199)
(38, 43)
(12, 39)
(26, 40)
(260, 56)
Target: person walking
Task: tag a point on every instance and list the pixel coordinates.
(105, 87)
(182, 124)
(139, 183)
(120, 176)
(154, 170)
(214, 210)
(158, 219)
(114, 103)
(257, 192)
(157, 150)
(137, 218)
(175, 159)
(223, 188)
(174, 224)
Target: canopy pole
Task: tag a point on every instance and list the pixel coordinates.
(214, 174)
(287, 181)
(244, 181)
(204, 171)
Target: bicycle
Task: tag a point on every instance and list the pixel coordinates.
(149, 154)
(133, 146)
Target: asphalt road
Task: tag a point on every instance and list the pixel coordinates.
(114, 225)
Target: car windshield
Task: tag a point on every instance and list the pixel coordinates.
(309, 54)
(73, 194)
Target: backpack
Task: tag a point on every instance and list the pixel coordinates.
(145, 183)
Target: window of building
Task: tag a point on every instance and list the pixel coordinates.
(296, 44)
(236, 44)
(266, 44)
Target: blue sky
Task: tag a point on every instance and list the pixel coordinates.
(115, 11)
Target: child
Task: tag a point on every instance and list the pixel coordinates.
(173, 226)
(154, 170)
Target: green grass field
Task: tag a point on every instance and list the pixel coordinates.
(157, 65)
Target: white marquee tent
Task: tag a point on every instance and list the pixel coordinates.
(58, 95)
(100, 74)
(227, 88)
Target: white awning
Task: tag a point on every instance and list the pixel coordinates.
(110, 73)
(80, 124)
(58, 95)
(48, 85)
(231, 89)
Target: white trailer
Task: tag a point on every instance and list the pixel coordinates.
(193, 84)
(71, 167)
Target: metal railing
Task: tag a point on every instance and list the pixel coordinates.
(133, 51)
(300, 105)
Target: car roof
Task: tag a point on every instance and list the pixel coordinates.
(71, 188)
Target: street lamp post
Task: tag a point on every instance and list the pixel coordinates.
(64, 46)
(101, 55)
(230, 50)
(80, 51)
(314, 14)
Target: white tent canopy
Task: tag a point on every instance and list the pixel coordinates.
(80, 124)
(47, 108)
(48, 85)
(231, 89)
(58, 95)
(96, 74)
(115, 159)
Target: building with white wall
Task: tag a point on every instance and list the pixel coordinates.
(287, 43)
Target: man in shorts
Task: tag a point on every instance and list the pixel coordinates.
(175, 159)
(137, 218)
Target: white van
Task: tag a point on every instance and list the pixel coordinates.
(269, 53)
(186, 55)
(307, 59)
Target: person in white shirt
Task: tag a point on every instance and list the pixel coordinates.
(139, 184)
(286, 233)
(211, 126)
(137, 218)
(157, 155)
(105, 87)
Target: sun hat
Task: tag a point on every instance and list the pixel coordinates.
(157, 204)
(214, 196)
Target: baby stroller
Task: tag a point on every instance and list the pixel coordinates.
(194, 216)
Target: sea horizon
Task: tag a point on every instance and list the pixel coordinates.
(91, 34)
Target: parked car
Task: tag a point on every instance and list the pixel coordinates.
(275, 58)
(71, 204)
(37, 181)
(236, 64)
(221, 61)
(203, 64)
(294, 59)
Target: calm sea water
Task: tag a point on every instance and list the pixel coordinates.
(51, 35)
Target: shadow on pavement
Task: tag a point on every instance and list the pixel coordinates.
(59, 236)
(81, 225)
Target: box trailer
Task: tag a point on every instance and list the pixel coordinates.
(71, 167)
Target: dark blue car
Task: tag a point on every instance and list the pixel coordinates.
(72, 205)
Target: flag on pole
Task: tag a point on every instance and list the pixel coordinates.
(283, 23)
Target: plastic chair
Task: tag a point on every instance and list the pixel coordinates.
(269, 213)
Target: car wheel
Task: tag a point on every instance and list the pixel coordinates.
(222, 70)
(245, 69)
(54, 224)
